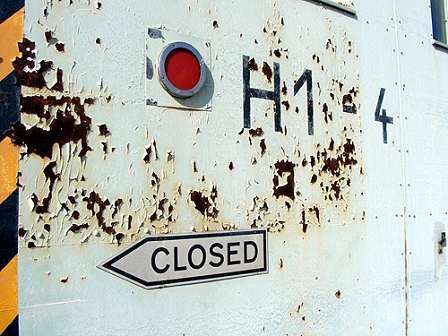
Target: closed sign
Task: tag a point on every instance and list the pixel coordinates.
(160, 260)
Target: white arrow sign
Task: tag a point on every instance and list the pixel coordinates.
(167, 260)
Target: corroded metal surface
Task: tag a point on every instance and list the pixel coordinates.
(302, 127)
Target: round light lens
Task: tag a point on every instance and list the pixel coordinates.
(181, 70)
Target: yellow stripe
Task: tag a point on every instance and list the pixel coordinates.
(8, 294)
(9, 165)
(11, 32)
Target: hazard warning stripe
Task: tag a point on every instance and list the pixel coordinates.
(9, 103)
(8, 294)
(12, 329)
(8, 229)
(8, 264)
(11, 32)
(9, 7)
(8, 168)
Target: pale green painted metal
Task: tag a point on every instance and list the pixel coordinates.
(359, 258)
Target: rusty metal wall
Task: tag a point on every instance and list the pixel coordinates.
(346, 171)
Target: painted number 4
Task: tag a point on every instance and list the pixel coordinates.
(382, 118)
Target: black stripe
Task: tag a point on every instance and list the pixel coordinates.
(13, 328)
(9, 103)
(9, 7)
(8, 228)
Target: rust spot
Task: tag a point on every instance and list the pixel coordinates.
(72, 199)
(241, 132)
(286, 104)
(75, 228)
(267, 71)
(95, 199)
(155, 179)
(48, 36)
(75, 214)
(104, 147)
(331, 165)
(52, 176)
(304, 225)
(103, 130)
(26, 72)
(263, 147)
(251, 65)
(312, 161)
(284, 89)
(331, 145)
(254, 224)
(336, 189)
(349, 147)
(59, 86)
(147, 157)
(215, 24)
(205, 205)
(63, 129)
(264, 207)
(313, 179)
(277, 53)
(117, 205)
(315, 209)
(119, 237)
(64, 280)
(282, 168)
(304, 162)
(347, 99)
(338, 294)
(299, 307)
(37, 105)
(231, 165)
(325, 111)
(296, 110)
(98, 41)
(155, 149)
(256, 132)
(60, 47)
(31, 245)
(22, 232)
(47, 227)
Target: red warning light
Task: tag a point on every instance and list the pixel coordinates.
(181, 70)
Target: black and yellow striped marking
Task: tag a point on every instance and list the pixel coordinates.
(11, 32)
